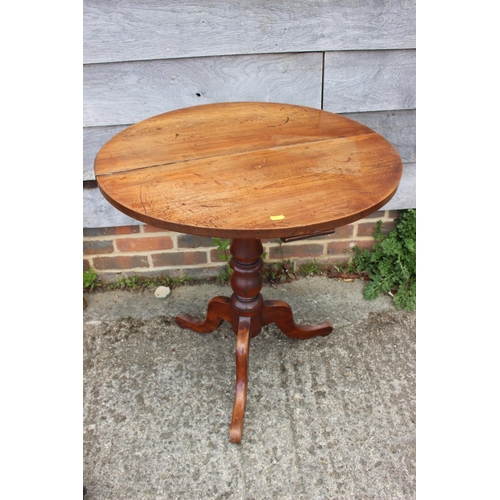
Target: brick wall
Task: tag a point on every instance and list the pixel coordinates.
(145, 250)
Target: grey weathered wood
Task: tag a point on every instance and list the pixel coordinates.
(126, 30)
(369, 81)
(97, 212)
(371, 85)
(124, 93)
(406, 196)
(398, 127)
(93, 140)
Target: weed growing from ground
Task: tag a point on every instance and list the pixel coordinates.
(90, 280)
(391, 263)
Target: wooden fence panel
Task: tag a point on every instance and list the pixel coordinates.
(98, 212)
(148, 57)
(406, 196)
(125, 93)
(398, 127)
(130, 30)
(94, 139)
(372, 80)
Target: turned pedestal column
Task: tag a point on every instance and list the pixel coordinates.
(247, 313)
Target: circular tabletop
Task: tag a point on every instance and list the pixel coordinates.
(248, 170)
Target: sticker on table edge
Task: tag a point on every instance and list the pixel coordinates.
(277, 217)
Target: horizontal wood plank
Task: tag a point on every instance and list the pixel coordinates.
(369, 81)
(125, 93)
(406, 195)
(98, 212)
(94, 139)
(398, 127)
(127, 30)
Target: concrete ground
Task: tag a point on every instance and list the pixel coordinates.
(326, 418)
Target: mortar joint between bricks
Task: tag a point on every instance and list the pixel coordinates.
(104, 237)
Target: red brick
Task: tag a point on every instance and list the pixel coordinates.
(388, 226)
(86, 264)
(202, 272)
(97, 247)
(345, 247)
(153, 229)
(111, 231)
(376, 215)
(120, 262)
(338, 247)
(179, 259)
(191, 241)
(365, 244)
(394, 213)
(215, 255)
(144, 244)
(344, 232)
(366, 228)
(340, 232)
(288, 251)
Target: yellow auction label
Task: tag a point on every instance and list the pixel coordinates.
(277, 217)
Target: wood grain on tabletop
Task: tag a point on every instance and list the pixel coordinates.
(248, 169)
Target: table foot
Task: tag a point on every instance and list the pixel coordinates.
(247, 312)
(240, 397)
(279, 312)
(218, 310)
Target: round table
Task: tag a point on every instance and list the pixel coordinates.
(247, 171)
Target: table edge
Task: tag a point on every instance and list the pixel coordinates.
(268, 233)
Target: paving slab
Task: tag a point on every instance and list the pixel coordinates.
(327, 418)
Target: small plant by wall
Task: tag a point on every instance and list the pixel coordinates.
(90, 280)
(391, 263)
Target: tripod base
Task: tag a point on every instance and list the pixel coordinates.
(247, 312)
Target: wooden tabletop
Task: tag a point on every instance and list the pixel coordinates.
(248, 170)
